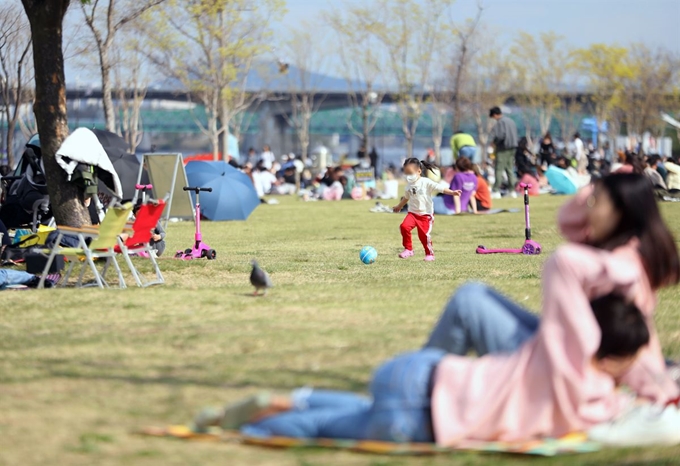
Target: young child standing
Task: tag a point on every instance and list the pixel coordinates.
(419, 192)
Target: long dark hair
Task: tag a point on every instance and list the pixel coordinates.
(623, 327)
(635, 161)
(633, 198)
(422, 164)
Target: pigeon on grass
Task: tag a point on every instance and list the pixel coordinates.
(259, 279)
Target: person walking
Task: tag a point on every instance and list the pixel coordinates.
(504, 137)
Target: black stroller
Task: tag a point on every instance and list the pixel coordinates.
(24, 202)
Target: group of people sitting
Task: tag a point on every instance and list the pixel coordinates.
(466, 177)
(533, 377)
(292, 176)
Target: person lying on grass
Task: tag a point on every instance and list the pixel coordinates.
(550, 387)
(11, 277)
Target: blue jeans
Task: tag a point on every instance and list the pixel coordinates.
(440, 207)
(13, 277)
(399, 410)
(468, 152)
(481, 319)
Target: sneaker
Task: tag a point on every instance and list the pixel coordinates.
(236, 415)
(406, 254)
(674, 372)
(378, 207)
(643, 425)
(495, 195)
(429, 258)
(231, 417)
(35, 281)
(206, 418)
(513, 194)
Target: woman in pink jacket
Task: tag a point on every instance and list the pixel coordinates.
(533, 378)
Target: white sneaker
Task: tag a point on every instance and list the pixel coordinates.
(643, 425)
(674, 372)
(513, 194)
(495, 195)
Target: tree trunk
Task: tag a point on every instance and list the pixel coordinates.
(215, 141)
(46, 18)
(107, 89)
(364, 121)
(409, 146)
(224, 137)
(3, 141)
(9, 139)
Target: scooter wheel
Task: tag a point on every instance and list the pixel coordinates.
(179, 255)
(211, 254)
(203, 253)
(188, 251)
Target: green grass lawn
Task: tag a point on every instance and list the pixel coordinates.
(81, 369)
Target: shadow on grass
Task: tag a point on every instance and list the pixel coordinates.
(286, 379)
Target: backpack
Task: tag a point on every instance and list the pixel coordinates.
(85, 177)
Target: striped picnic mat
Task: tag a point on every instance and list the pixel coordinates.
(573, 443)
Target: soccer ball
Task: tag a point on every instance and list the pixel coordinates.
(368, 255)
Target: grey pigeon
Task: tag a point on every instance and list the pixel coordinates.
(259, 279)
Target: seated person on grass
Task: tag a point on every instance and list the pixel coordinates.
(465, 181)
(429, 395)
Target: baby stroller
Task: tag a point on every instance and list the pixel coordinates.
(24, 201)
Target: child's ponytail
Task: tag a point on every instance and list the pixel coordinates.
(428, 166)
(422, 164)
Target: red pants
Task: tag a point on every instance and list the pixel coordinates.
(424, 225)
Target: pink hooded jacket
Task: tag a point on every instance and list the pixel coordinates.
(549, 387)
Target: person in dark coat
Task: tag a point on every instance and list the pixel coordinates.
(547, 152)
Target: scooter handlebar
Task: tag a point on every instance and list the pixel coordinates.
(196, 189)
(144, 187)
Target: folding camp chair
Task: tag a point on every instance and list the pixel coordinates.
(146, 220)
(104, 239)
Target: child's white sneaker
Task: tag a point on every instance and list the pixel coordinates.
(643, 425)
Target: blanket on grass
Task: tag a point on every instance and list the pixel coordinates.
(570, 444)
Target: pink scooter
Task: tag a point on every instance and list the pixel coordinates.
(530, 247)
(200, 249)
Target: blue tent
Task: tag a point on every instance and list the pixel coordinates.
(233, 196)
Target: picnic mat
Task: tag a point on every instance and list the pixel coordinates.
(573, 443)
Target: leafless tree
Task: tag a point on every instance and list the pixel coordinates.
(491, 87)
(16, 70)
(440, 106)
(648, 88)
(540, 65)
(410, 33)
(210, 46)
(360, 65)
(105, 19)
(130, 77)
(465, 36)
(307, 55)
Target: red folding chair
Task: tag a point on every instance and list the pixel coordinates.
(146, 220)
